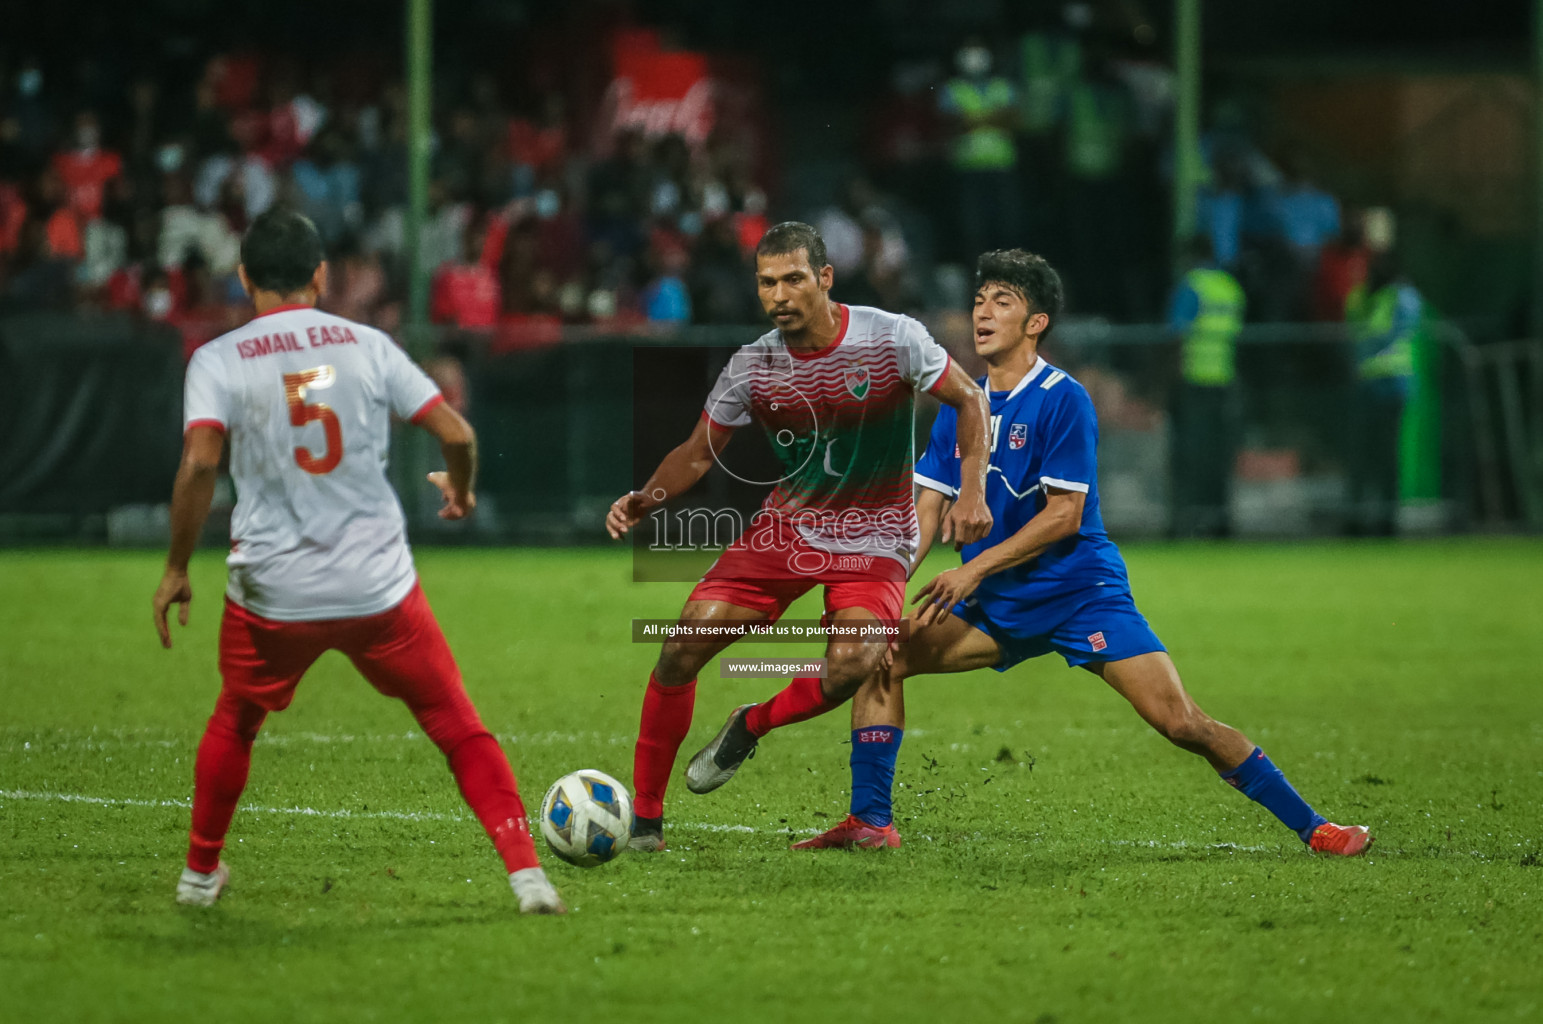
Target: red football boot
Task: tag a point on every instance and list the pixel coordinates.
(1340, 840)
(853, 833)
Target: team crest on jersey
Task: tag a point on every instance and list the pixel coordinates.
(1018, 436)
(857, 381)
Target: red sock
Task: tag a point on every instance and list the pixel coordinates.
(487, 782)
(666, 720)
(802, 699)
(219, 776)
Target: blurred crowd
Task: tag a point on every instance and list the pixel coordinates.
(1060, 141)
(134, 197)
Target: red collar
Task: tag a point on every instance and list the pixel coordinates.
(846, 317)
(284, 309)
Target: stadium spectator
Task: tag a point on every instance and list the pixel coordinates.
(1219, 212)
(719, 271)
(1384, 316)
(1098, 197)
(466, 293)
(1342, 266)
(665, 299)
(1206, 312)
(981, 108)
(903, 145)
(185, 226)
(327, 179)
(86, 167)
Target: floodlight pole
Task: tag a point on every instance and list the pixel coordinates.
(1537, 169)
(1187, 170)
(420, 72)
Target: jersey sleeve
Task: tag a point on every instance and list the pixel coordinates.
(1071, 443)
(728, 404)
(409, 391)
(938, 469)
(924, 360)
(206, 393)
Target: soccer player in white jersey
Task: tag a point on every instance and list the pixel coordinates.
(318, 551)
(833, 387)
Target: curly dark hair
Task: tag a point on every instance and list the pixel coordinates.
(1027, 274)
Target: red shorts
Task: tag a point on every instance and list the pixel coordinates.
(770, 567)
(401, 652)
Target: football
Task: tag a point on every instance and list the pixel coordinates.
(586, 817)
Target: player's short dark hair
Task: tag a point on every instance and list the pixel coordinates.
(1027, 274)
(281, 251)
(791, 236)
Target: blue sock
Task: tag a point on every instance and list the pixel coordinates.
(1259, 780)
(874, 750)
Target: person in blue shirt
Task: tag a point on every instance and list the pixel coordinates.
(1045, 579)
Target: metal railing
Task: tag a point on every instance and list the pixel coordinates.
(557, 423)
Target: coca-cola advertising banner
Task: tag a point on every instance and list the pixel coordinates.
(660, 93)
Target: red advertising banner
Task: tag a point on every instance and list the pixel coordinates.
(659, 93)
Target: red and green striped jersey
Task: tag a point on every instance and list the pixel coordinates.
(841, 421)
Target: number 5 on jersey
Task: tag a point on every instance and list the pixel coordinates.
(297, 387)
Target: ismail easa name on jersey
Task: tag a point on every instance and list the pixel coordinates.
(287, 341)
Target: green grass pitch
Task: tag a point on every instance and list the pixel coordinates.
(1061, 862)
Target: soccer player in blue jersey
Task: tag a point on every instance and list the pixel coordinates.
(1045, 579)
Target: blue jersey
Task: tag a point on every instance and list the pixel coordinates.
(1044, 433)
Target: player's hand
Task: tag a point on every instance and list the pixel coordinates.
(967, 521)
(625, 513)
(173, 589)
(458, 505)
(945, 590)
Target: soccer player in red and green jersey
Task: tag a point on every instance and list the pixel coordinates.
(834, 387)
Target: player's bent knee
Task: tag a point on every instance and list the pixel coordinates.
(679, 663)
(849, 665)
(1188, 729)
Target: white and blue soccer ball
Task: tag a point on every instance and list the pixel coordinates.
(586, 817)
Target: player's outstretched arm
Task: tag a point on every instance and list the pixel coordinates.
(1060, 518)
(458, 444)
(687, 463)
(930, 508)
(969, 520)
(190, 498)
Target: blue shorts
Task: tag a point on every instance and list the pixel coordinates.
(1107, 628)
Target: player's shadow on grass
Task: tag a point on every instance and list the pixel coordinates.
(192, 930)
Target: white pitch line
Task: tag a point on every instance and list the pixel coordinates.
(1182, 845)
(308, 812)
(91, 740)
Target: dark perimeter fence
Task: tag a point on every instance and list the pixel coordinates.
(90, 428)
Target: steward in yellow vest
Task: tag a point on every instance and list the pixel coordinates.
(1206, 313)
(1383, 316)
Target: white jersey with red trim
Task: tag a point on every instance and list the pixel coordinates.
(842, 423)
(305, 400)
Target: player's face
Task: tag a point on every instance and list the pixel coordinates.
(792, 293)
(1003, 320)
